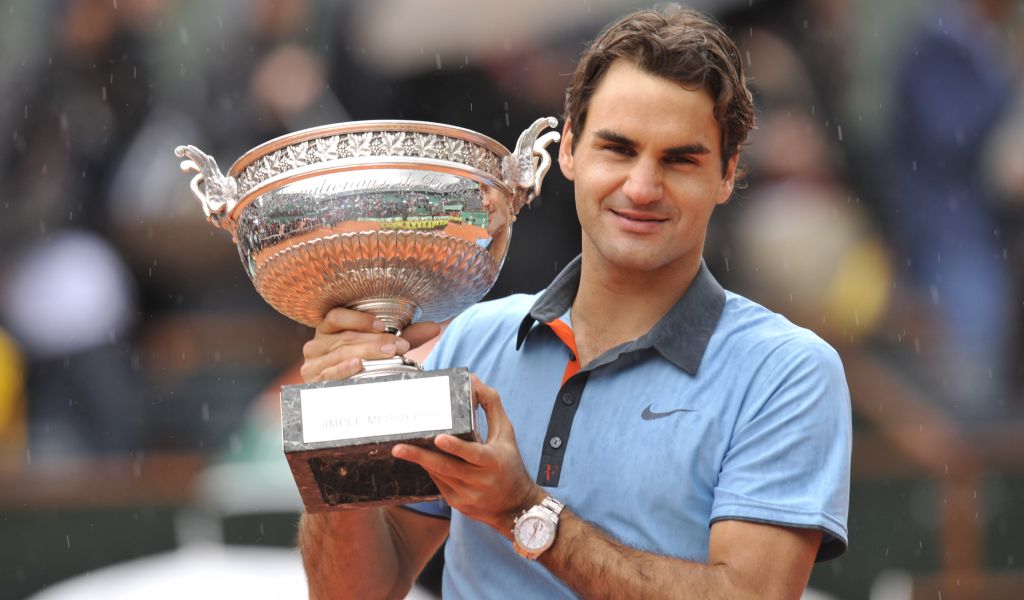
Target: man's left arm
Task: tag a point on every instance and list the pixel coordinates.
(489, 483)
(745, 560)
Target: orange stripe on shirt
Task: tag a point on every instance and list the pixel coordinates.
(564, 333)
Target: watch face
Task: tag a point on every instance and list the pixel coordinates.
(534, 533)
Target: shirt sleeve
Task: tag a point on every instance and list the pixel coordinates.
(789, 460)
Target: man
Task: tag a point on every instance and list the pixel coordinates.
(710, 438)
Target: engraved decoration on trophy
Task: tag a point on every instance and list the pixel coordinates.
(406, 220)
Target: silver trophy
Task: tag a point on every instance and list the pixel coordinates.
(406, 220)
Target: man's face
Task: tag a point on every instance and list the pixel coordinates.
(647, 169)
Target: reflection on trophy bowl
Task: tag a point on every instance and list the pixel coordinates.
(407, 220)
(405, 245)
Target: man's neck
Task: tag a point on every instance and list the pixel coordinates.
(614, 306)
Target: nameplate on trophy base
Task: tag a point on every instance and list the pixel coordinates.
(338, 435)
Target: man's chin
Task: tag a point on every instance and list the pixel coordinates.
(634, 260)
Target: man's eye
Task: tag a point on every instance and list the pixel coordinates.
(680, 160)
(619, 150)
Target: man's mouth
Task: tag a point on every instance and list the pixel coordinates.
(639, 216)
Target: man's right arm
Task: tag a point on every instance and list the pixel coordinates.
(367, 553)
(370, 552)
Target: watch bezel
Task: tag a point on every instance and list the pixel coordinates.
(547, 511)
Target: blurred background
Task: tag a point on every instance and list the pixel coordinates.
(139, 436)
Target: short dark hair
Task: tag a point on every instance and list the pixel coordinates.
(678, 44)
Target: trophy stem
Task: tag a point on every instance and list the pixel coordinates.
(396, 314)
(373, 369)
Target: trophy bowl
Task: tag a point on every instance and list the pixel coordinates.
(407, 220)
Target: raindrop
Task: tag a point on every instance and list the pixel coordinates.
(437, 60)
(205, 412)
(913, 165)
(67, 538)
(839, 131)
(115, 4)
(103, 92)
(748, 59)
(183, 35)
(726, 264)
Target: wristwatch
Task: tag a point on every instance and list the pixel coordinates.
(534, 530)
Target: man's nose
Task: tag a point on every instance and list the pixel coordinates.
(643, 185)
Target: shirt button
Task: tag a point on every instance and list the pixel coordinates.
(555, 442)
(567, 399)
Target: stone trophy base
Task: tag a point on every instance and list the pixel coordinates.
(338, 435)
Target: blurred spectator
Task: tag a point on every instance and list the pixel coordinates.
(67, 298)
(12, 406)
(70, 302)
(955, 84)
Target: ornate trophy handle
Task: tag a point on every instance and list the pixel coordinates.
(217, 192)
(526, 168)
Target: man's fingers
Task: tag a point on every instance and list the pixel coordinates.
(342, 370)
(373, 343)
(471, 452)
(421, 333)
(312, 367)
(345, 319)
(488, 398)
(438, 464)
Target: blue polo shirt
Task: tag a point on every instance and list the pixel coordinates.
(723, 410)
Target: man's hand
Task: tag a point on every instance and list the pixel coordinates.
(486, 482)
(347, 337)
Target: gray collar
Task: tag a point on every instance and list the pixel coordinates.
(681, 336)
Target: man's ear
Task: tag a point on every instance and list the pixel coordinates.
(565, 158)
(728, 179)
